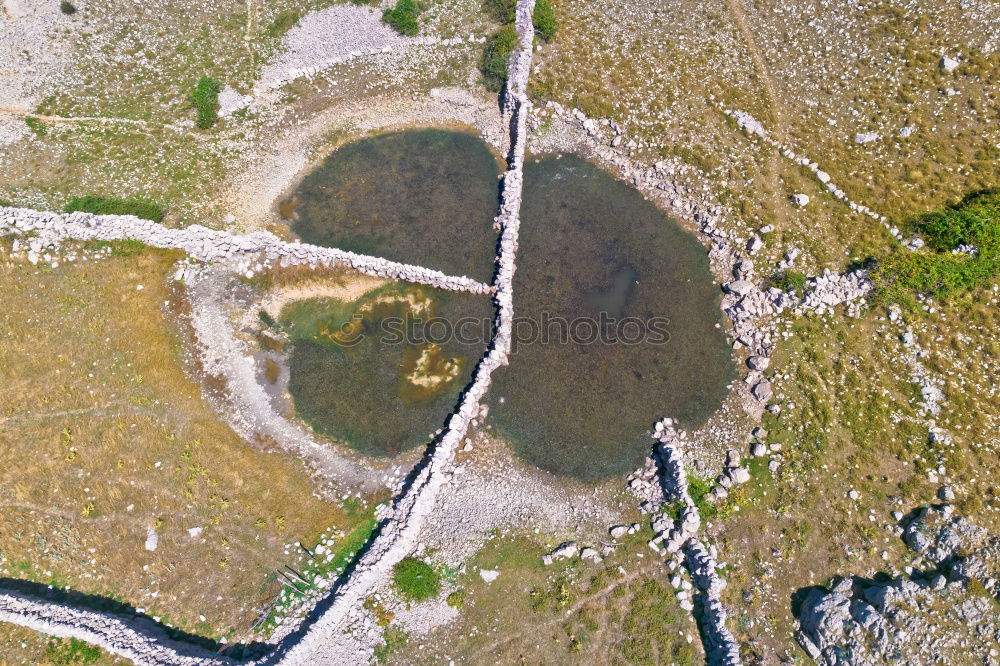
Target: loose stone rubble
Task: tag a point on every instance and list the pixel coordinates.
(859, 621)
(247, 252)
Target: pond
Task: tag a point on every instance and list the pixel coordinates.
(618, 314)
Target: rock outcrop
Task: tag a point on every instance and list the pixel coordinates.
(859, 621)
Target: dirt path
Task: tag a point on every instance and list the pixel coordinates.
(737, 10)
(775, 191)
(24, 113)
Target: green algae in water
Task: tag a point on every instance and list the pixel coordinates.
(425, 197)
(354, 378)
(588, 244)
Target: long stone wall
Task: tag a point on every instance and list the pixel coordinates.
(45, 230)
(135, 638)
(399, 533)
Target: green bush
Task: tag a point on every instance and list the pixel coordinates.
(98, 205)
(939, 273)
(498, 49)
(544, 18)
(403, 17)
(416, 580)
(205, 99)
(67, 8)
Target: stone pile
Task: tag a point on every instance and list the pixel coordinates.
(44, 231)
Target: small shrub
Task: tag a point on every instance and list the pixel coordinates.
(416, 580)
(498, 49)
(403, 17)
(37, 127)
(67, 8)
(544, 18)
(456, 599)
(99, 205)
(975, 587)
(267, 319)
(283, 22)
(205, 99)
(395, 640)
(698, 488)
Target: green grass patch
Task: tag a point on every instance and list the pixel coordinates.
(650, 627)
(416, 580)
(282, 23)
(119, 248)
(498, 48)
(544, 19)
(67, 8)
(938, 273)
(698, 488)
(403, 17)
(205, 99)
(456, 599)
(72, 652)
(501, 11)
(789, 281)
(394, 639)
(144, 208)
(37, 127)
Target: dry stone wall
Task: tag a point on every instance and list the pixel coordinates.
(136, 638)
(260, 249)
(681, 536)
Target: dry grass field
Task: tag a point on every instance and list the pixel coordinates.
(105, 438)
